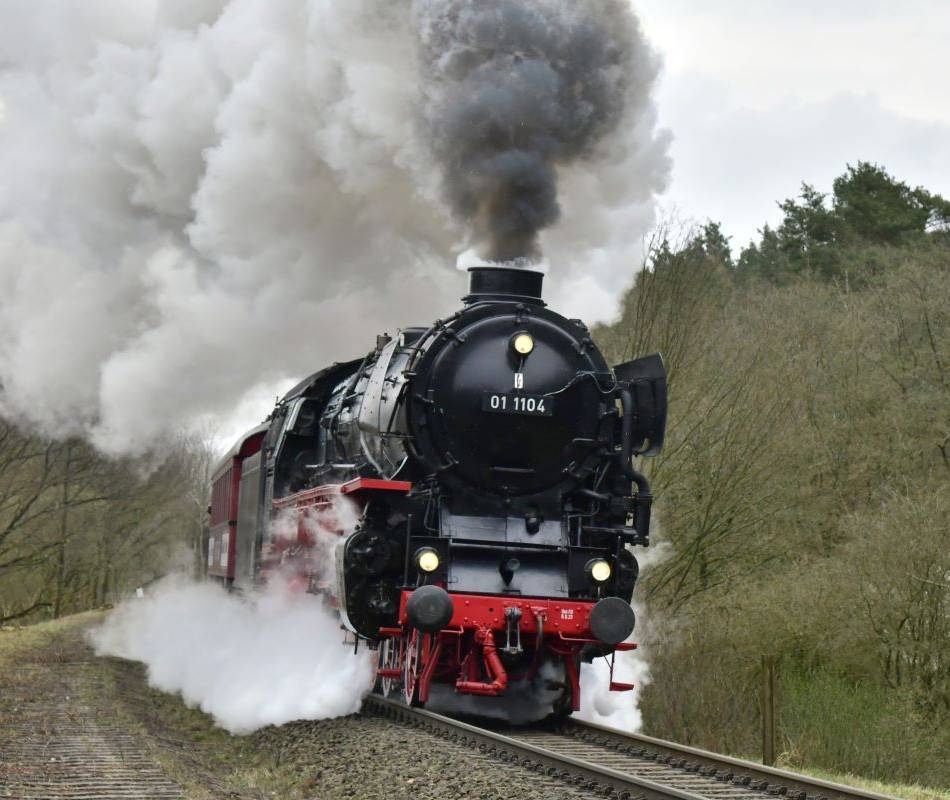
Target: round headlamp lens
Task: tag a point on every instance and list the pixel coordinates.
(523, 343)
(427, 560)
(599, 570)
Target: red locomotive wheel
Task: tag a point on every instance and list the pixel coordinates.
(411, 667)
(389, 658)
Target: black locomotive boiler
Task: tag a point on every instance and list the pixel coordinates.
(489, 461)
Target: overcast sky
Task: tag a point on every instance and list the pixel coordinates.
(763, 95)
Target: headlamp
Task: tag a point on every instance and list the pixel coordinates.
(523, 343)
(599, 570)
(427, 559)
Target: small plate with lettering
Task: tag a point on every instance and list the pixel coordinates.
(532, 405)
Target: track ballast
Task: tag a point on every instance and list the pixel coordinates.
(612, 763)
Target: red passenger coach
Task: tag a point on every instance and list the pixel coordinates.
(223, 511)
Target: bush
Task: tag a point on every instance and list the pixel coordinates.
(830, 721)
(804, 493)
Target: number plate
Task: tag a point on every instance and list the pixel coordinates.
(531, 404)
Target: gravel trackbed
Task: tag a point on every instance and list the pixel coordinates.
(79, 727)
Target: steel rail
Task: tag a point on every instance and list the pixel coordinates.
(589, 755)
(594, 776)
(813, 787)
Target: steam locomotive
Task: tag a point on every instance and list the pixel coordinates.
(464, 495)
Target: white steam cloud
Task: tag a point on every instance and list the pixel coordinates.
(263, 660)
(622, 709)
(619, 710)
(202, 198)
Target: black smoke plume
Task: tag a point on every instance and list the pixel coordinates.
(514, 90)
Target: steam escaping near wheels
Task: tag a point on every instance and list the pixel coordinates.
(622, 710)
(262, 659)
(265, 655)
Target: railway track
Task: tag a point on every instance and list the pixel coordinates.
(59, 742)
(611, 763)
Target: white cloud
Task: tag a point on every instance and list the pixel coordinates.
(762, 97)
(733, 164)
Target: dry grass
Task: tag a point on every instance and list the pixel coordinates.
(43, 641)
(909, 792)
(206, 761)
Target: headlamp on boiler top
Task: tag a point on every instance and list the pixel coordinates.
(522, 343)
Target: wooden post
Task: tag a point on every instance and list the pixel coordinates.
(769, 710)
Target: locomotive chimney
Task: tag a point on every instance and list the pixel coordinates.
(514, 284)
